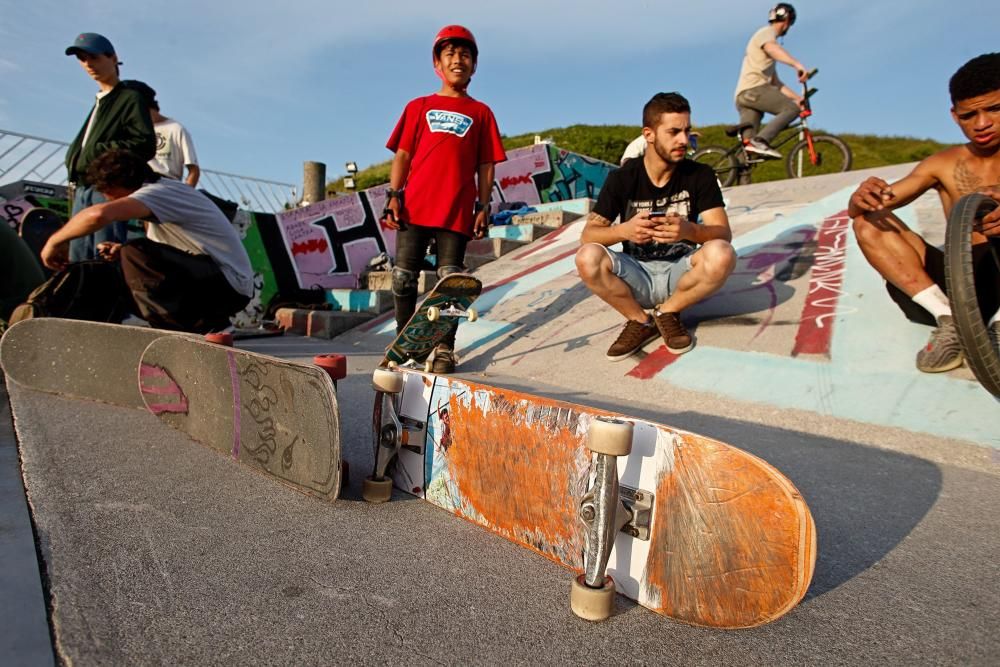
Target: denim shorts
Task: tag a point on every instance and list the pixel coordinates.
(651, 283)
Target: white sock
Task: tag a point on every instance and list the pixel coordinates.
(994, 319)
(933, 301)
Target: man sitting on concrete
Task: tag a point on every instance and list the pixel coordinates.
(191, 273)
(673, 229)
(913, 270)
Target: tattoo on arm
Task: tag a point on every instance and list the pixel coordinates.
(598, 219)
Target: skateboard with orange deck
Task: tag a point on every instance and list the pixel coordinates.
(687, 526)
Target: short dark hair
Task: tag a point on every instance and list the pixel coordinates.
(662, 103)
(979, 76)
(119, 168)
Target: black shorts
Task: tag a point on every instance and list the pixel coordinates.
(986, 271)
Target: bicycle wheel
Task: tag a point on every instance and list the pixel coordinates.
(832, 157)
(958, 274)
(721, 161)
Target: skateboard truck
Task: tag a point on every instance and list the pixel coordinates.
(387, 433)
(603, 514)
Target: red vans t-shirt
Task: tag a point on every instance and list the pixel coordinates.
(447, 139)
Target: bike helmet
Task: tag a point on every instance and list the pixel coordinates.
(455, 33)
(780, 12)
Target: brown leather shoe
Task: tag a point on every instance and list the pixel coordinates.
(631, 339)
(675, 335)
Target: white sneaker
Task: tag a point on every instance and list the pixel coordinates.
(762, 148)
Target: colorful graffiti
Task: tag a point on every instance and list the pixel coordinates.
(331, 242)
(546, 173)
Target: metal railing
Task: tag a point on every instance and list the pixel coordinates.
(27, 158)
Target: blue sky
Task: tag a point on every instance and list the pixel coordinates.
(264, 86)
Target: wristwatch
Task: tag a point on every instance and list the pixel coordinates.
(477, 207)
(392, 192)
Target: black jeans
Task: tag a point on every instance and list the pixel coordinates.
(176, 290)
(411, 249)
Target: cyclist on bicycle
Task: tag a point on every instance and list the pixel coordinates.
(760, 91)
(913, 270)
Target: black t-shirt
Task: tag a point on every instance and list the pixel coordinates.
(692, 188)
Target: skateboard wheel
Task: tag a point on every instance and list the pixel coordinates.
(376, 491)
(387, 381)
(224, 338)
(334, 364)
(611, 436)
(473, 314)
(428, 366)
(433, 313)
(392, 364)
(592, 604)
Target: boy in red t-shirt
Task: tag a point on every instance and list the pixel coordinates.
(443, 143)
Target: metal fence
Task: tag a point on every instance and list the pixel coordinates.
(28, 158)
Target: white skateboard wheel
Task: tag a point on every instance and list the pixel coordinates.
(376, 491)
(611, 436)
(592, 604)
(473, 315)
(433, 313)
(387, 381)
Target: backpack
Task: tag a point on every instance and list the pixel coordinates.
(93, 290)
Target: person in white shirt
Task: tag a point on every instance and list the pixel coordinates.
(174, 147)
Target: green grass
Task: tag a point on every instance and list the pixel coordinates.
(607, 142)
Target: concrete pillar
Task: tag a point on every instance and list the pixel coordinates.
(313, 182)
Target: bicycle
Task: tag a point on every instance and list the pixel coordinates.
(813, 154)
(980, 353)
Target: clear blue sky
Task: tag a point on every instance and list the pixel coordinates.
(264, 86)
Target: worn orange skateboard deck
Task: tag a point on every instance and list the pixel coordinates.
(730, 544)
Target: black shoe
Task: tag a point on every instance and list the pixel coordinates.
(444, 360)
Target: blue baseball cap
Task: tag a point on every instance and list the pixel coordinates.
(92, 43)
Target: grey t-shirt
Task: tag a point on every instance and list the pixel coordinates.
(758, 67)
(188, 220)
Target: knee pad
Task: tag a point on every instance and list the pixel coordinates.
(447, 270)
(404, 282)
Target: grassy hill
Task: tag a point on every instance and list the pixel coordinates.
(606, 142)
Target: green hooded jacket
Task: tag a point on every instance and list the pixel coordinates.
(122, 122)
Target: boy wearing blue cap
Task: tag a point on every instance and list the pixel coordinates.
(119, 119)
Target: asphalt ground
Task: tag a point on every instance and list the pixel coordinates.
(156, 550)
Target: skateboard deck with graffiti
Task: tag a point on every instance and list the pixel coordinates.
(433, 319)
(37, 225)
(696, 529)
(278, 417)
(89, 360)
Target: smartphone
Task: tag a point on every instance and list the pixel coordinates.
(657, 214)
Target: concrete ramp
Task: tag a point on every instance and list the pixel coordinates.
(803, 323)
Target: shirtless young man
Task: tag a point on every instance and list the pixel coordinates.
(913, 270)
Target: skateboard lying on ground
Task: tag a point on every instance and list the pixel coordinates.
(438, 312)
(276, 416)
(687, 526)
(78, 359)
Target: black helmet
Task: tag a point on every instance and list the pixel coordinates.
(780, 12)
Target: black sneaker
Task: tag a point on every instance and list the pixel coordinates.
(632, 338)
(675, 335)
(444, 360)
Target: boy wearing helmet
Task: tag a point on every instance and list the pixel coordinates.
(446, 147)
(760, 91)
